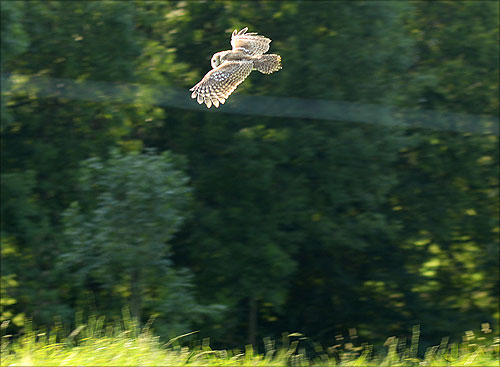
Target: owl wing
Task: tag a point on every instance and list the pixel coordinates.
(251, 43)
(219, 83)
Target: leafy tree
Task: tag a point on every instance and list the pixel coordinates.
(13, 42)
(447, 195)
(43, 139)
(131, 207)
(297, 224)
(281, 204)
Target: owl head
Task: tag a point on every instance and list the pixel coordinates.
(218, 58)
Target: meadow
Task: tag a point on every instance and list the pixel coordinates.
(123, 343)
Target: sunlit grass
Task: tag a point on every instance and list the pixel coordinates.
(124, 344)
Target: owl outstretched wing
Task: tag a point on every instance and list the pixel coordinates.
(219, 83)
(251, 43)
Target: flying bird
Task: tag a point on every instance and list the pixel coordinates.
(231, 67)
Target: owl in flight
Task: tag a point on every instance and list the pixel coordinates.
(230, 68)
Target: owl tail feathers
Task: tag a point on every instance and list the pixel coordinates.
(268, 64)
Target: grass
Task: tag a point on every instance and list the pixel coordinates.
(124, 344)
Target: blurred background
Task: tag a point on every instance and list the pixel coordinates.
(356, 188)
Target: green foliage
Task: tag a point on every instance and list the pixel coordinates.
(302, 224)
(447, 194)
(44, 139)
(301, 197)
(13, 42)
(119, 238)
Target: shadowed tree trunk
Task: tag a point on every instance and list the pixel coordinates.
(252, 320)
(135, 295)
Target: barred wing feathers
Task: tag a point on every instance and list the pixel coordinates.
(218, 84)
(251, 43)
